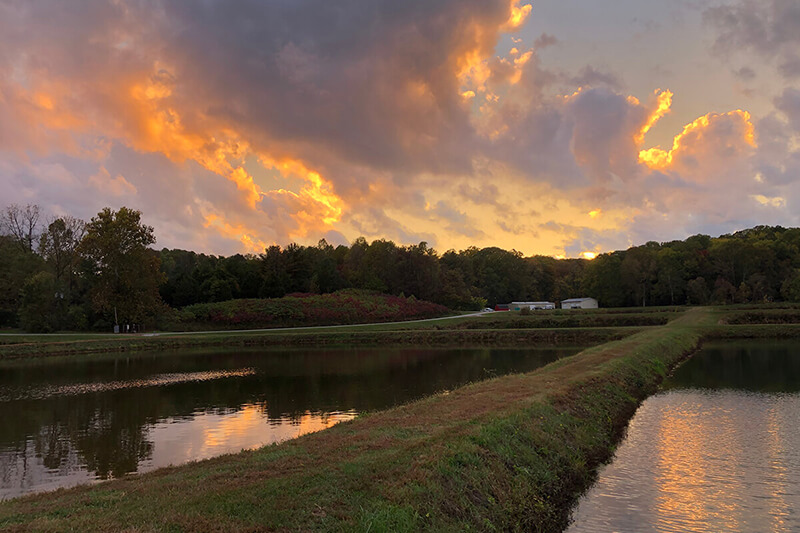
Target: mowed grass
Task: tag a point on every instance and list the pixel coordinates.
(541, 327)
(511, 453)
(566, 319)
(456, 331)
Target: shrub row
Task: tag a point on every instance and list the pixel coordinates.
(348, 306)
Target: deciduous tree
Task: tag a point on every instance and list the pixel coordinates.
(125, 272)
(21, 223)
(58, 245)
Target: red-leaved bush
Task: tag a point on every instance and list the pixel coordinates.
(349, 306)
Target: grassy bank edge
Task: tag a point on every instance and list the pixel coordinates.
(512, 453)
(418, 337)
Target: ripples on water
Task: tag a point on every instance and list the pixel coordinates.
(39, 393)
(703, 460)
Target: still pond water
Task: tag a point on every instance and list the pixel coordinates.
(66, 421)
(717, 450)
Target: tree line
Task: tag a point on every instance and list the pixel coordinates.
(65, 273)
(755, 265)
(68, 274)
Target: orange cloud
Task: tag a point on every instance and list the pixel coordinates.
(519, 14)
(117, 186)
(38, 118)
(472, 65)
(322, 207)
(663, 104)
(738, 134)
(235, 231)
(161, 129)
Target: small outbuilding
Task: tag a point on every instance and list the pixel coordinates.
(579, 303)
(501, 307)
(533, 306)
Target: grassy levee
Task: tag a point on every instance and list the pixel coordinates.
(43, 346)
(550, 328)
(511, 454)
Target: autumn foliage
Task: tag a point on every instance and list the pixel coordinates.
(349, 306)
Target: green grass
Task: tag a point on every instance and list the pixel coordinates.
(471, 338)
(565, 319)
(454, 331)
(553, 327)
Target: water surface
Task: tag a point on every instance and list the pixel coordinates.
(79, 419)
(717, 450)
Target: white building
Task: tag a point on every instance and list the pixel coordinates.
(579, 303)
(519, 306)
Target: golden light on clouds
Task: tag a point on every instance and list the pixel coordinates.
(323, 204)
(43, 105)
(775, 201)
(693, 133)
(663, 104)
(44, 101)
(473, 71)
(222, 150)
(468, 140)
(238, 232)
(519, 13)
(321, 191)
(588, 255)
(244, 182)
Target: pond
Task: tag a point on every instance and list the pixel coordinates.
(74, 420)
(718, 449)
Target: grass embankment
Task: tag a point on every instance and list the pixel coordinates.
(507, 329)
(44, 347)
(511, 453)
(764, 316)
(769, 321)
(570, 319)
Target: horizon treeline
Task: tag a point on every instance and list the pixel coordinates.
(65, 273)
(754, 265)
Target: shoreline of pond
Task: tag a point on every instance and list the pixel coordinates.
(422, 337)
(714, 449)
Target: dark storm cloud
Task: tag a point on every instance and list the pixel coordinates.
(789, 103)
(770, 28)
(592, 77)
(373, 83)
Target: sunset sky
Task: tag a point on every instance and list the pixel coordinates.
(556, 127)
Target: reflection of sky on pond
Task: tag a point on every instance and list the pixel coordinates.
(75, 420)
(708, 459)
(173, 442)
(210, 434)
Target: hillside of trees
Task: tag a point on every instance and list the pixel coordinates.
(755, 265)
(67, 274)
